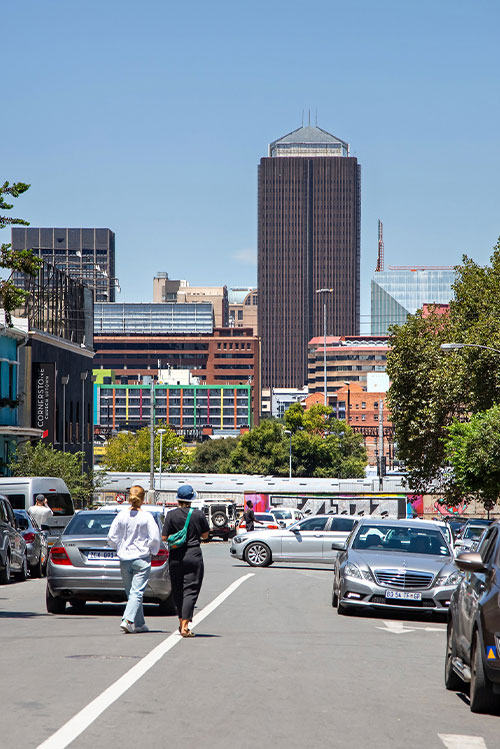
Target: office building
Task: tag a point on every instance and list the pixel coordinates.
(180, 292)
(309, 211)
(348, 359)
(87, 255)
(147, 319)
(243, 306)
(402, 290)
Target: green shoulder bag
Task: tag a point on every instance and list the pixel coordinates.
(179, 539)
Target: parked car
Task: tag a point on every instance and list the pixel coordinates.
(473, 637)
(395, 564)
(82, 567)
(37, 549)
(308, 540)
(468, 537)
(21, 493)
(263, 521)
(286, 516)
(13, 557)
(455, 524)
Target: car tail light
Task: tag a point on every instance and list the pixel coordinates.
(29, 537)
(272, 527)
(59, 555)
(159, 558)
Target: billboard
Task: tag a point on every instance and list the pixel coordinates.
(43, 399)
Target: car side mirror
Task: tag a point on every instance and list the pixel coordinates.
(470, 562)
(294, 530)
(339, 545)
(45, 527)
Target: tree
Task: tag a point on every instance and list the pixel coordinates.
(131, 452)
(11, 296)
(44, 460)
(473, 451)
(321, 446)
(430, 388)
(213, 456)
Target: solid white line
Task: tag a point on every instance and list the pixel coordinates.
(456, 741)
(82, 720)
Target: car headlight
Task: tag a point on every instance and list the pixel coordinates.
(238, 539)
(351, 570)
(452, 579)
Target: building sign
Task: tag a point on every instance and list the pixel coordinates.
(43, 406)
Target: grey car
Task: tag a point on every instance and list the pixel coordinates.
(308, 540)
(37, 548)
(13, 557)
(396, 564)
(83, 568)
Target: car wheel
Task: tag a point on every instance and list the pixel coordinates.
(258, 554)
(36, 570)
(5, 573)
(167, 607)
(452, 680)
(54, 604)
(482, 698)
(78, 605)
(23, 572)
(335, 598)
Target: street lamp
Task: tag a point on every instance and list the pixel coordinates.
(161, 432)
(324, 291)
(64, 382)
(83, 377)
(456, 346)
(288, 432)
(348, 410)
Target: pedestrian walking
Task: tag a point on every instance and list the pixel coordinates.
(249, 517)
(136, 538)
(183, 529)
(40, 511)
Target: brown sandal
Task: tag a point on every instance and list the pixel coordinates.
(187, 633)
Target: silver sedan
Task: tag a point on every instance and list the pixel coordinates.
(83, 568)
(308, 540)
(395, 564)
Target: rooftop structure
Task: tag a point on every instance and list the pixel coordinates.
(147, 318)
(166, 289)
(308, 141)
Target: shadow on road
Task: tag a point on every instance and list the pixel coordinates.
(396, 615)
(277, 566)
(20, 614)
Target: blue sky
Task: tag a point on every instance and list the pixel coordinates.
(150, 119)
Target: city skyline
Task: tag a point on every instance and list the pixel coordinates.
(166, 127)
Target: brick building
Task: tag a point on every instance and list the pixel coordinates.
(361, 409)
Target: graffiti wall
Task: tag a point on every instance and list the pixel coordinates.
(378, 505)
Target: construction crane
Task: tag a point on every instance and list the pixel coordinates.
(380, 257)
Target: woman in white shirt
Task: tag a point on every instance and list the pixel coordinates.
(136, 538)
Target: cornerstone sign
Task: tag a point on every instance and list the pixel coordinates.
(43, 407)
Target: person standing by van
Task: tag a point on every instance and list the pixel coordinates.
(186, 560)
(40, 511)
(136, 538)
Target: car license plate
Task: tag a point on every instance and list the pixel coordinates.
(403, 596)
(92, 555)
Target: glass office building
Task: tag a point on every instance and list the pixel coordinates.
(399, 292)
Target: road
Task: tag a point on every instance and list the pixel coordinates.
(272, 665)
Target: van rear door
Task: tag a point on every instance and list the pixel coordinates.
(62, 508)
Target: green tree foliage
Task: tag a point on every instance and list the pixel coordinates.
(213, 456)
(11, 296)
(321, 446)
(44, 460)
(131, 452)
(473, 450)
(432, 388)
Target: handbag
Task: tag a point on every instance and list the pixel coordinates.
(175, 540)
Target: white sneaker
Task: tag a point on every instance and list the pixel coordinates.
(127, 627)
(144, 628)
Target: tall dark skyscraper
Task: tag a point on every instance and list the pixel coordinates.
(88, 255)
(308, 238)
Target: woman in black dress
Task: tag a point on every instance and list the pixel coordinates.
(186, 561)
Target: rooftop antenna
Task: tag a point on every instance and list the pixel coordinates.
(309, 121)
(302, 118)
(380, 257)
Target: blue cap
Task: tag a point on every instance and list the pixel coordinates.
(186, 493)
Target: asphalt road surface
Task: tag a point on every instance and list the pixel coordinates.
(272, 665)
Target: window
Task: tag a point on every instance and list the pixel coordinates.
(342, 524)
(487, 545)
(312, 524)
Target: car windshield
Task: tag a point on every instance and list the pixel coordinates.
(262, 518)
(474, 532)
(282, 514)
(89, 524)
(401, 538)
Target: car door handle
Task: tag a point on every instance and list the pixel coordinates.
(318, 535)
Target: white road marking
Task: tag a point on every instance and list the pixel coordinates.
(456, 741)
(399, 628)
(82, 720)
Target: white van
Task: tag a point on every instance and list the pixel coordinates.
(21, 493)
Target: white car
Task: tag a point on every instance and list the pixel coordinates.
(286, 516)
(263, 521)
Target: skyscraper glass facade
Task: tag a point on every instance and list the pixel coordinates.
(397, 293)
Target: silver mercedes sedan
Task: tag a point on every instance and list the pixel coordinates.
(308, 540)
(83, 568)
(395, 564)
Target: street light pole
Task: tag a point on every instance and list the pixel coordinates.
(287, 431)
(161, 432)
(83, 377)
(64, 382)
(456, 346)
(348, 410)
(325, 394)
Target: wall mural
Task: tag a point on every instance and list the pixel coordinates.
(378, 505)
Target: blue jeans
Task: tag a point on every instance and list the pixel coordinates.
(135, 576)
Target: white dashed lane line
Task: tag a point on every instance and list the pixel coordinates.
(458, 741)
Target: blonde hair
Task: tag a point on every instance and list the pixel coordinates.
(136, 496)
